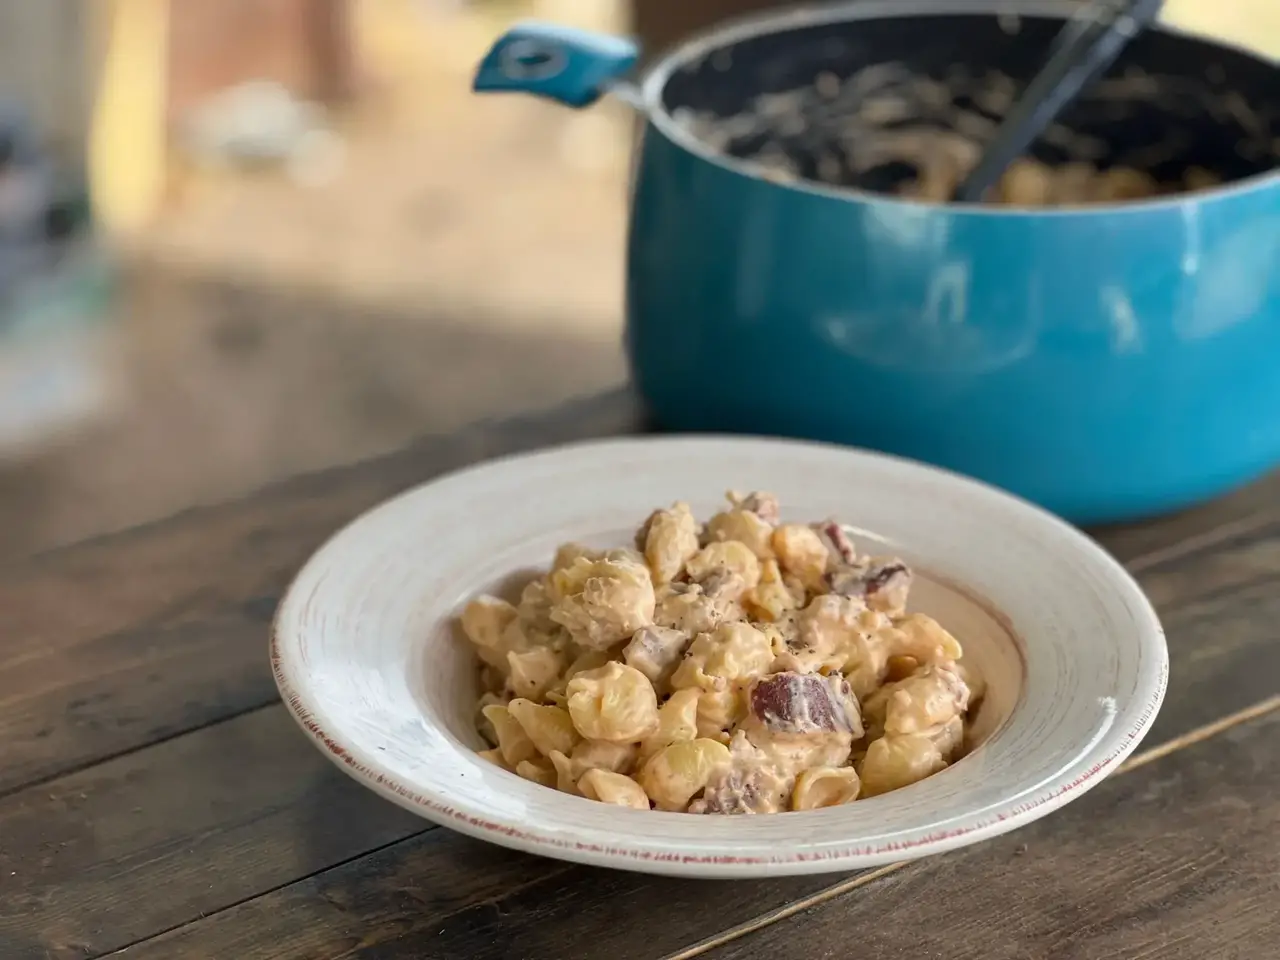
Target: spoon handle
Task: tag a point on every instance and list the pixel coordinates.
(1087, 46)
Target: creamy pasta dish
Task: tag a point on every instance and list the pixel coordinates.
(744, 665)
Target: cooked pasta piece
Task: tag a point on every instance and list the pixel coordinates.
(933, 695)
(549, 728)
(604, 755)
(744, 526)
(655, 651)
(539, 771)
(726, 557)
(483, 723)
(566, 774)
(825, 787)
(534, 609)
(531, 673)
(485, 618)
(607, 787)
(677, 721)
(602, 602)
(836, 633)
(898, 761)
(493, 756)
(772, 598)
(689, 608)
(948, 738)
(485, 621)
(615, 703)
(802, 553)
(567, 554)
(1026, 183)
(513, 742)
(676, 772)
(668, 539)
(583, 662)
(720, 710)
(733, 652)
(920, 636)
(899, 667)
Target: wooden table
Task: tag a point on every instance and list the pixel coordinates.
(157, 803)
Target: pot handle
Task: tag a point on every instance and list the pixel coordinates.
(571, 66)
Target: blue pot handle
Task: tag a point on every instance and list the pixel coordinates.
(571, 66)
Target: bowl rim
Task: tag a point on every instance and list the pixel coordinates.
(704, 44)
(1108, 747)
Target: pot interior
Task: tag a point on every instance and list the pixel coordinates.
(869, 103)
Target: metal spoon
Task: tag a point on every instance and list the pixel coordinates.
(1087, 46)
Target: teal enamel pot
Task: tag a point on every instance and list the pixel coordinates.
(1109, 361)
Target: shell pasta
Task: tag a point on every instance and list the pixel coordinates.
(744, 665)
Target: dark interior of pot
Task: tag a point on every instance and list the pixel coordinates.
(904, 105)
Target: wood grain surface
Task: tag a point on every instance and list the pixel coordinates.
(1180, 860)
(157, 800)
(112, 644)
(402, 900)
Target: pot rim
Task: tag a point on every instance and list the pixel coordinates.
(739, 29)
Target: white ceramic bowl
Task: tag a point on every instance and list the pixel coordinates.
(367, 656)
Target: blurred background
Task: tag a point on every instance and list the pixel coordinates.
(309, 243)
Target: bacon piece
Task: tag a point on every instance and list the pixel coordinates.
(795, 703)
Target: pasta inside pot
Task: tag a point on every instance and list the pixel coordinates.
(904, 106)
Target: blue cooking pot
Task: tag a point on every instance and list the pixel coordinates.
(1109, 361)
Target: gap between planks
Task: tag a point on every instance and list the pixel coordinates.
(1138, 760)
(1199, 541)
(129, 751)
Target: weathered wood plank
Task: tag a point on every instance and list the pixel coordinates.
(359, 910)
(1237, 513)
(1180, 859)
(559, 912)
(1217, 605)
(118, 642)
(94, 860)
